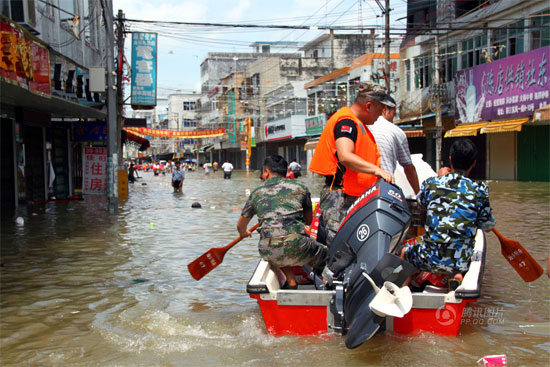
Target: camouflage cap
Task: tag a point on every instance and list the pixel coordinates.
(375, 92)
(390, 102)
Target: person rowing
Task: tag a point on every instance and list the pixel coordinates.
(283, 208)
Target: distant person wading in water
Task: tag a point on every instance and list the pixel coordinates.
(227, 169)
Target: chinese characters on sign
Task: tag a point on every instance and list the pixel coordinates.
(94, 168)
(231, 121)
(176, 134)
(23, 61)
(315, 125)
(144, 69)
(89, 131)
(512, 87)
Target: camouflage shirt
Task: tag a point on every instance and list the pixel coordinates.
(279, 204)
(456, 208)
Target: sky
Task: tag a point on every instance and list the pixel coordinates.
(181, 49)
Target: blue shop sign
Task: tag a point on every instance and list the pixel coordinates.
(144, 69)
(90, 131)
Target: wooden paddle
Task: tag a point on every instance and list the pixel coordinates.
(205, 263)
(522, 262)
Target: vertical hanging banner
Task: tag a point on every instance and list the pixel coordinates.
(231, 122)
(94, 168)
(144, 70)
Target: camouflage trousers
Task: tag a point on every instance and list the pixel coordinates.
(292, 249)
(435, 260)
(333, 205)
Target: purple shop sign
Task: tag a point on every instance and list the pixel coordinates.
(512, 87)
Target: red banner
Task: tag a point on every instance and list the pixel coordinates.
(176, 134)
(23, 61)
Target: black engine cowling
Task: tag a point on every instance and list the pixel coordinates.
(374, 225)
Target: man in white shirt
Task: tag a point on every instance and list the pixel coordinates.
(393, 145)
(178, 175)
(227, 169)
(295, 167)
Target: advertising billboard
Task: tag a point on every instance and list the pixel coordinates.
(515, 86)
(144, 70)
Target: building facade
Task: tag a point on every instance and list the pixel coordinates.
(459, 59)
(47, 54)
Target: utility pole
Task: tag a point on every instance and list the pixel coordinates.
(119, 90)
(438, 124)
(387, 44)
(248, 143)
(112, 142)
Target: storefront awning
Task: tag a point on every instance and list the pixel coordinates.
(16, 96)
(465, 130)
(505, 126)
(129, 138)
(542, 114)
(310, 145)
(206, 148)
(414, 133)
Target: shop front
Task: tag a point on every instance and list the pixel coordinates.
(39, 104)
(498, 100)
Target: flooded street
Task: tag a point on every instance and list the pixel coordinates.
(80, 287)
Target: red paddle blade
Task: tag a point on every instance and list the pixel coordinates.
(207, 262)
(524, 264)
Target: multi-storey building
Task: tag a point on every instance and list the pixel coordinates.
(47, 53)
(181, 116)
(482, 68)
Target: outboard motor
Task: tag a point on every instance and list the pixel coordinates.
(373, 227)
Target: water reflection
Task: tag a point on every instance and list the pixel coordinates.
(81, 287)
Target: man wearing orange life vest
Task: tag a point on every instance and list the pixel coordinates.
(348, 157)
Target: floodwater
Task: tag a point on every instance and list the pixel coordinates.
(80, 287)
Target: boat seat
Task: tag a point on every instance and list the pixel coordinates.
(433, 289)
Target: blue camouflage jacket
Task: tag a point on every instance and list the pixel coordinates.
(456, 207)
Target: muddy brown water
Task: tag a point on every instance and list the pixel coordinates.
(80, 287)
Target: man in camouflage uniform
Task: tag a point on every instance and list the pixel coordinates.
(456, 208)
(283, 208)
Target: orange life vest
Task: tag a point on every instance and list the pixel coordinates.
(324, 161)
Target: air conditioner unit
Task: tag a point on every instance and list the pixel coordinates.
(24, 13)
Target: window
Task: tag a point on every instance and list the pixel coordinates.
(472, 51)
(21, 12)
(311, 104)
(301, 108)
(45, 7)
(189, 106)
(448, 61)
(508, 41)
(463, 7)
(541, 30)
(515, 38)
(408, 76)
(423, 71)
(256, 84)
(189, 123)
(69, 8)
